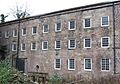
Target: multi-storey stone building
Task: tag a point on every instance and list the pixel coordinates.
(78, 41)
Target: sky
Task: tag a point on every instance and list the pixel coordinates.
(37, 7)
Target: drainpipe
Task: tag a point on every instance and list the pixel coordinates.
(114, 51)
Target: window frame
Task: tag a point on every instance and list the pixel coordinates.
(90, 43)
(22, 32)
(44, 28)
(43, 45)
(56, 26)
(102, 21)
(15, 31)
(7, 34)
(32, 30)
(105, 65)
(102, 42)
(56, 64)
(69, 65)
(22, 47)
(85, 64)
(69, 44)
(74, 25)
(35, 46)
(56, 44)
(90, 23)
(0, 34)
(13, 46)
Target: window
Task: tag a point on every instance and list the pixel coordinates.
(58, 27)
(45, 28)
(23, 31)
(105, 64)
(0, 34)
(87, 43)
(71, 64)
(105, 42)
(57, 44)
(45, 45)
(14, 47)
(72, 44)
(34, 30)
(23, 47)
(33, 46)
(72, 25)
(87, 64)
(7, 34)
(105, 21)
(87, 23)
(57, 64)
(14, 33)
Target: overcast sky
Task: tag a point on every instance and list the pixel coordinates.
(37, 7)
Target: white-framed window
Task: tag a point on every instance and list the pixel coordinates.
(72, 25)
(57, 64)
(58, 26)
(71, 64)
(45, 45)
(105, 42)
(87, 23)
(105, 64)
(14, 47)
(0, 34)
(15, 33)
(72, 44)
(33, 46)
(45, 28)
(105, 21)
(23, 46)
(58, 44)
(34, 30)
(87, 64)
(24, 32)
(6, 34)
(87, 43)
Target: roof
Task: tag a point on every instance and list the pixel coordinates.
(86, 7)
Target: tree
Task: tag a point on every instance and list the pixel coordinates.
(3, 17)
(20, 12)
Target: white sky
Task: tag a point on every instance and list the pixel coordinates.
(44, 6)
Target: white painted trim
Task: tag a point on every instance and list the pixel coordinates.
(109, 65)
(91, 64)
(84, 23)
(43, 28)
(60, 44)
(32, 44)
(69, 25)
(56, 27)
(55, 65)
(32, 30)
(69, 44)
(22, 32)
(14, 33)
(6, 32)
(22, 46)
(43, 45)
(90, 42)
(105, 25)
(69, 65)
(108, 42)
(13, 47)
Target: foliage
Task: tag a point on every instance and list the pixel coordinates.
(9, 75)
(20, 12)
(55, 79)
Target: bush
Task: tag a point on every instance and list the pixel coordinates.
(55, 79)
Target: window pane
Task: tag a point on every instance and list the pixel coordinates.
(0, 34)
(57, 63)
(71, 64)
(105, 42)
(87, 43)
(105, 20)
(105, 64)
(87, 63)
(23, 31)
(87, 22)
(23, 46)
(34, 30)
(33, 45)
(72, 43)
(72, 24)
(45, 45)
(58, 44)
(45, 29)
(58, 26)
